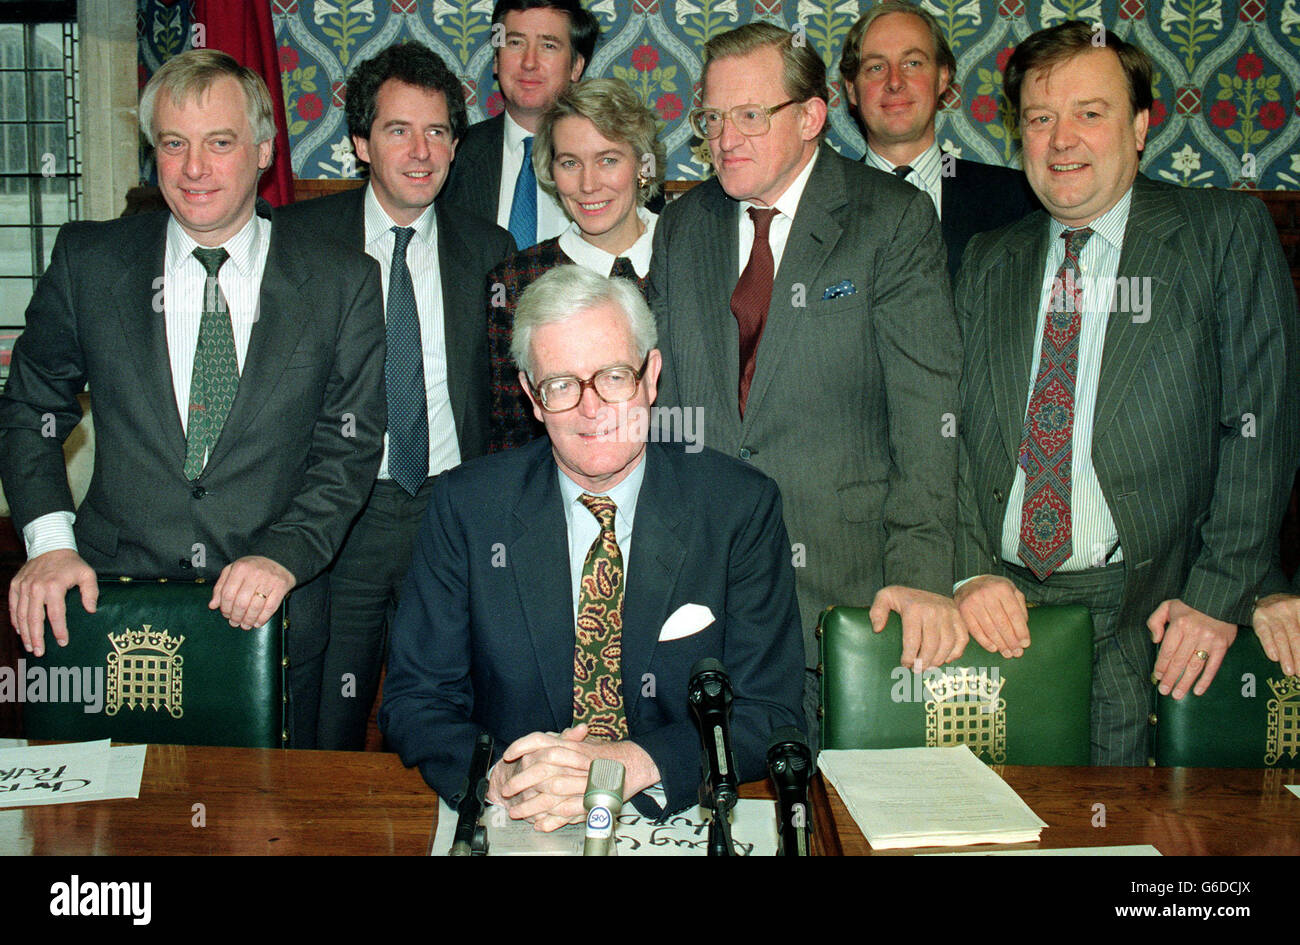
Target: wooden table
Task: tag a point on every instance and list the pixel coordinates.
(264, 801)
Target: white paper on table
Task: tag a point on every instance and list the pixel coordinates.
(1294, 789)
(753, 831)
(909, 797)
(1137, 849)
(53, 774)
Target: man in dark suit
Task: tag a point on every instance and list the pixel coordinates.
(235, 363)
(1129, 422)
(406, 112)
(838, 377)
(895, 67)
(660, 558)
(539, 48)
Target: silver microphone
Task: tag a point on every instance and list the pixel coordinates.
(603, 801)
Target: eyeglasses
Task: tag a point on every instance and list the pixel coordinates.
(750, 120)
(613, 385)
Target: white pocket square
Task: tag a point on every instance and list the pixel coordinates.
(686, 620)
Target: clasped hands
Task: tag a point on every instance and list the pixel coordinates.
(247, 592)
(1192, 644)
(542, 776)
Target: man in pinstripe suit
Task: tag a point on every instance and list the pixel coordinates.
(1128, 436)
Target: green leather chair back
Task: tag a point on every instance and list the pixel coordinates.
(1248, 718)
(165, 669)
(1033, 710)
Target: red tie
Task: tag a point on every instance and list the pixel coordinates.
(753, 295)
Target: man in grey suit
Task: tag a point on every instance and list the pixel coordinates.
(1129, 431)
(406, 113)
(804, 308)
(236, 368)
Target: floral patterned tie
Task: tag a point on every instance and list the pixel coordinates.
(598, 640)
(1046, 450)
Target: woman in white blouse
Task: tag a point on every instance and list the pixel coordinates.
(597, 151)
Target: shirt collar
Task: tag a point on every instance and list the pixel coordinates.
(244, 247)
(379, 224)
(927, 165)
(598, 260)
(624, 494)
(1109, 226)
(788, 202)
(515, 134)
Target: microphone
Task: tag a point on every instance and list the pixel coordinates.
(602, 801)
(709, 696)
(470, 839)
(789, 765)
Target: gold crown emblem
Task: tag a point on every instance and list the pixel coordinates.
(145, 639)
(965, 684)
(1285, 689)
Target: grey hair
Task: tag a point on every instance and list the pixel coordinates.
(568, 290)
(187, 76)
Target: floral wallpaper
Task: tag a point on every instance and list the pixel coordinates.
(1227, 71)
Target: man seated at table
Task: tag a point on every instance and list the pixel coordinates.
(520, 547)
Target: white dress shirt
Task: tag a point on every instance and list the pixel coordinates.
(184, 278)
(422, 261)
(779, 234)
(601, 262)
(926, 175)
(1094, 539)
(551, 218)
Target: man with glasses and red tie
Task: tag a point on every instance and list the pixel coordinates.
(570, 585)
(803, 305)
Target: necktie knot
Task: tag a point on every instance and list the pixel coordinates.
(903, 170)
(602, 507)
(623, 269)
(401, 239)
(1075, 240)
(528, 148)
(762, 218)
(211, 259)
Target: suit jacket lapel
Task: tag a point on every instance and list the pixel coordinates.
(539, 557)
(1152, 221)
(144, 328)
(462, 314)
(277, 327)
(651, 570)
(719, 249)
(1015, 287)
(813, 234)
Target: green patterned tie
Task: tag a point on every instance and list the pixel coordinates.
(216, 370)
(598, 642)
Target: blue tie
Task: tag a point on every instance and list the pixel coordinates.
(523, 208)
(408, 412)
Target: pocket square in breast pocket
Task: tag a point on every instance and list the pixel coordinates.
(685, 621)
(839, 290)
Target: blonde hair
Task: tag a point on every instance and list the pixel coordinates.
(618, 114)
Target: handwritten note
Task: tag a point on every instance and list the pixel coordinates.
(753, 831)
(52, 774)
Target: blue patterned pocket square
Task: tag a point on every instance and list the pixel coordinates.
(839, 290)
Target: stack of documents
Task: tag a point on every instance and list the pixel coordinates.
(925, 797)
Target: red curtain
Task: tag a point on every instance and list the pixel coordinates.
(243, 28)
